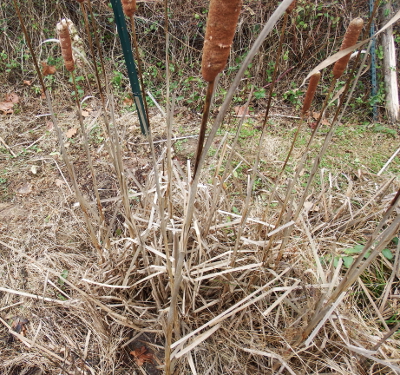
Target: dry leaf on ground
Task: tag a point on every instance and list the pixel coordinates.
(325, 122)
(6, 107)
(25, 189)
(71, 132)
(59, 182)
(47, 69)
(49, 125)
(19, 324)
(13, 98)
(128, 102)
(240, 110)
(26, 82)
(141, 356)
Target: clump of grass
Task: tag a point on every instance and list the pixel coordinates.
(216, 305)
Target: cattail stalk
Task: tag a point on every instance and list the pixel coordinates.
(66, 44)
(203, 126)
(291, 7)
(312, 88)
(221, 25)
(129, 7)
(70, 168)
(222, 19)
(350, 38)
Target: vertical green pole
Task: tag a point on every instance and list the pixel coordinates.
(130, 64)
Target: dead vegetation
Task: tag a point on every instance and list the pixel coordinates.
(244, 267)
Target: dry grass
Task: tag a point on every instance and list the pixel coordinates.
(101, 312)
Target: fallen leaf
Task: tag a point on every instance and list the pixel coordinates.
(128, 102)
(42, 94)
(71, 132)
(240, 110)
(25, 189)
(141, 357)
(49, 125)
(315, 115)
(19, 324)
(13, 98)
(307, 206)
(325, 122)
(34, 169)
(47, 69)
(59, 182)
(6, 107)
(28, 83)
(85, 113)
(313, 125)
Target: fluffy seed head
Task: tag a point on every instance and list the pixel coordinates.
(129, 7)
(65, 42)
(312, 87)
(221, 25)
(350, 38)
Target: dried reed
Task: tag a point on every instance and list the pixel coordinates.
(135, 292)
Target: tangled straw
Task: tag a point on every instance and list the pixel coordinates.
(65, 42)
(129, 7)
(350, 38)
(221, 25)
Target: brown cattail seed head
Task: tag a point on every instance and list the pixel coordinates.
(291, 7)
(129, 7)
(221, 25)
(350, 38)
(65, 41)
(312, 87)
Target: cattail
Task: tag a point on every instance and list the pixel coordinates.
(291, 7)
(350, 38)
(221, 24)
(129, 7)
(312, 87)
(65, 41)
